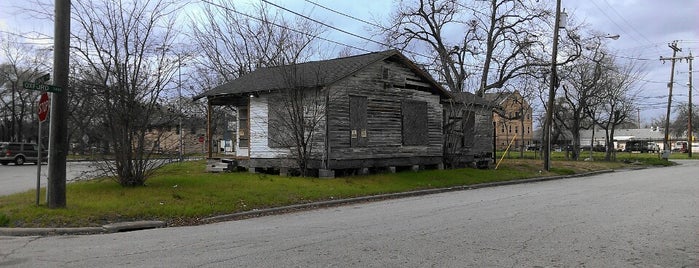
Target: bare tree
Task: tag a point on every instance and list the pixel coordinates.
(425, 25)
(234, 42)
(582, 85)
(615, 103)
(23, 62)
(118, 41)
(498, 39)
(297, 117)
(678, 127)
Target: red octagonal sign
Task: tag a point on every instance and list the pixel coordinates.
(43, 106)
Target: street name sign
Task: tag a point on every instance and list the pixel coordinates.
(41, 87)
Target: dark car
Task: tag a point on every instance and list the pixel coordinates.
(597, 148)
(533, 147)
(20, 153)
(641, 146)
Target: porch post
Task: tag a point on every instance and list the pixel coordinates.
(208, 128)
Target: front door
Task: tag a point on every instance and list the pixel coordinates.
(243, 132)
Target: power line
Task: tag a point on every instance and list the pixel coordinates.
(24, 35)
(616, 24)
(284, 27)
(626, 74)
(353, 34)
(326, 25)
(627, 22)
(348, 16)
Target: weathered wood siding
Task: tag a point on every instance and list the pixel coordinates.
(470, 135)
(384, 101)
(483, 131)
(259, 132)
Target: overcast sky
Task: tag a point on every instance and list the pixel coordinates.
(645, 26)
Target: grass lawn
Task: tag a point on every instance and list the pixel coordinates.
(182, 193)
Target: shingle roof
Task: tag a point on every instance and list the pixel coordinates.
(634, 134)
(309, 74)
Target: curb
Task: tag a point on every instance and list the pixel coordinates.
(278, 210)
(109, 228)
(142, 225)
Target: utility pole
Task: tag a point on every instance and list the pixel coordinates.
(690, 135)
(179, 105)
(673, 59)
(58, 141)
(666, 144)
(552, 90)
(638, 111)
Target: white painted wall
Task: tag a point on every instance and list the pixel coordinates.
(259, 141)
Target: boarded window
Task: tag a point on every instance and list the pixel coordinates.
(276, 127)
(414, 122)
(469, 128)
(358, 121)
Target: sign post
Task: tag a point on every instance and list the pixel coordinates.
(43, 112)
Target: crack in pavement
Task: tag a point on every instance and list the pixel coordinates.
(5, 258)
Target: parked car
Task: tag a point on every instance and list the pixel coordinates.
(641, 146)
(20, 153)
(533, 147)
(653, 147)
(597, 148)
(680, 146)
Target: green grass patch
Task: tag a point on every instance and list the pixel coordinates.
(183, 193)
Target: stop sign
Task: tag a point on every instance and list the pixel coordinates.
(201, 139)
(43, 106)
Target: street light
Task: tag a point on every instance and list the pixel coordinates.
(166, 48)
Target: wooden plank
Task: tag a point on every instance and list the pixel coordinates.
(358, 121)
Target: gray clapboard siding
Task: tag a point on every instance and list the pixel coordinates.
(385, 136)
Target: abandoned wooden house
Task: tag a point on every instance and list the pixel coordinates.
(372, 111)
(468, 130)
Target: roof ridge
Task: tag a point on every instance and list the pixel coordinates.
(329, 60)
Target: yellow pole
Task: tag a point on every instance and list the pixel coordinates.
(506, 150)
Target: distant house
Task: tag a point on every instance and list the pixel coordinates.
(376, 110)
(622, 136)
(512, 119)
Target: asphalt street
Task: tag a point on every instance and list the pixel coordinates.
(641, 218)
(15, 179)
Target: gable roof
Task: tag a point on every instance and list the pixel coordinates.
(500, 97)
(470, 98)
(312, 74)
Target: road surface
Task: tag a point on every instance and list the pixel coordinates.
(643, 218)
(15, 179)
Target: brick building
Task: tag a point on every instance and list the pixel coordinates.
(512, 119)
